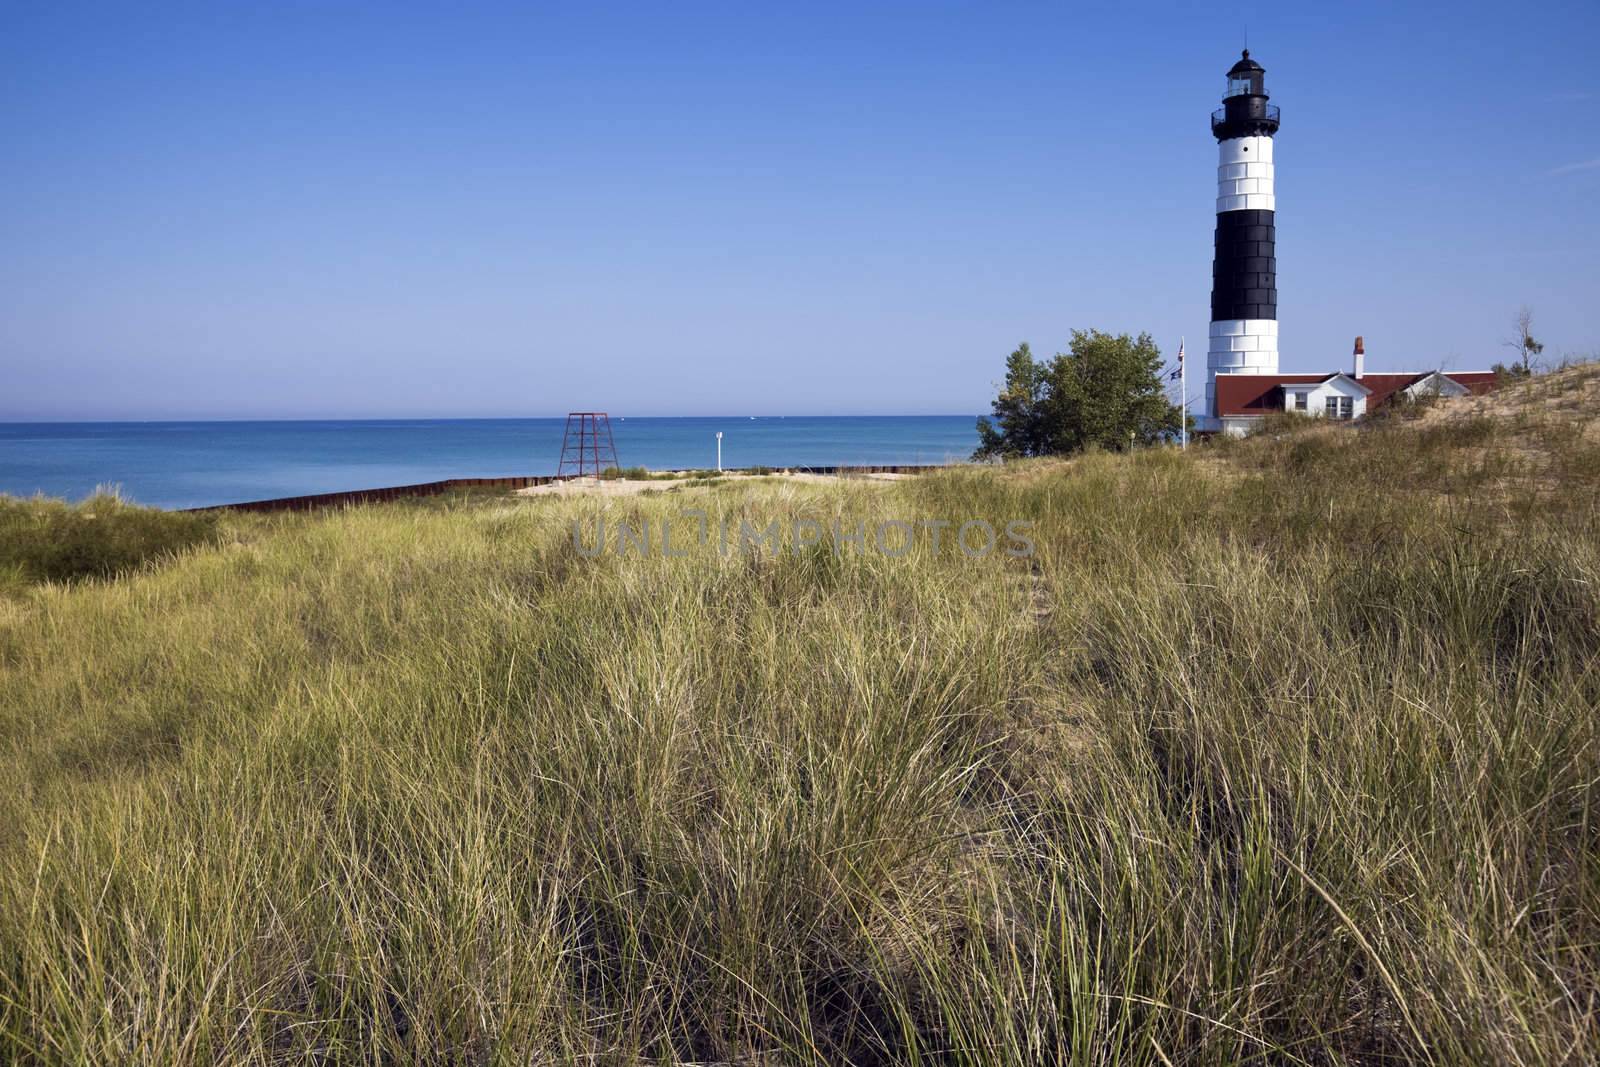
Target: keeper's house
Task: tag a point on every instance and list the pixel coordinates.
(1243, 400)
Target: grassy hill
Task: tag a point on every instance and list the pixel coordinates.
(1281, 751)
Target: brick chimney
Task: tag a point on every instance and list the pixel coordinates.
(1361, 359)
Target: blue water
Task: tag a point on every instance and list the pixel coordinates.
(192, 464)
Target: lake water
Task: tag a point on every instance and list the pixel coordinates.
(192, 464)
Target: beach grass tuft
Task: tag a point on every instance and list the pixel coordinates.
(46, 540)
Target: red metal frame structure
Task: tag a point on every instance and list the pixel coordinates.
(583, 447)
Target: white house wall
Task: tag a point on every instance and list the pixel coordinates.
(1436, 385)
(1317, 402)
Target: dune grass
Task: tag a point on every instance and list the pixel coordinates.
(50, 540)
(1283, 752)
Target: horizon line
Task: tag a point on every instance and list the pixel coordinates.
(72, 420)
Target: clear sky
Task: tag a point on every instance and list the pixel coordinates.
(349, 210)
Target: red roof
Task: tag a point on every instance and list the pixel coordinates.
(1257, 394)
(1384, 386)
(1476, 382)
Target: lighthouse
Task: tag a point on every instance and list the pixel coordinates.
(1244, 267)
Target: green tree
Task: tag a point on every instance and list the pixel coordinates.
(1106, 390)
(1018, 410)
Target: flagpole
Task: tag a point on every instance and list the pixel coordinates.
(1183, 396)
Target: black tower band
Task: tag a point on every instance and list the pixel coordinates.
(1244, 267)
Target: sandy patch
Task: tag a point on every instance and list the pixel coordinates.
(631, 487)
(1571, 391)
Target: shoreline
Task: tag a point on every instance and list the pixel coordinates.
(562, 484)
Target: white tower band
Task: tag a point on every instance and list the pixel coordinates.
(1244, 269)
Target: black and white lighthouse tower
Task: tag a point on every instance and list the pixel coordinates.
(1244, 270)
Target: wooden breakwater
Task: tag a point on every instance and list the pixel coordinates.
(356, 497)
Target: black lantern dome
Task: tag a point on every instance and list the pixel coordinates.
(1245, 78)
(1245, 111)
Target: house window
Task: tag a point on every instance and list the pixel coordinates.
(1340, 407)
(1300, 401)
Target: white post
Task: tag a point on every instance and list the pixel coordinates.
(1183, 391)
(719, 451)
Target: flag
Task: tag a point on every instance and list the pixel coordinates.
(1175, 375)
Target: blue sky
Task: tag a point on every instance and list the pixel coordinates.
(345, 210)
